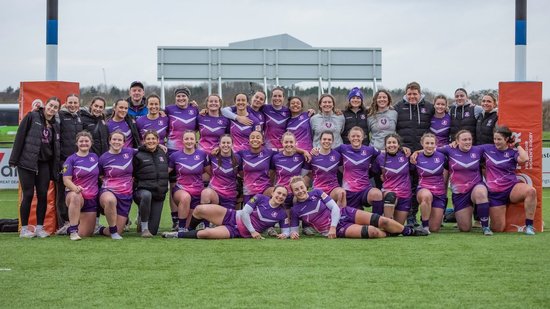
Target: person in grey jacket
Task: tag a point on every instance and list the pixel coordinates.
(327, 120)
(382, 118)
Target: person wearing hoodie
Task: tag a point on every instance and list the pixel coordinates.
(414, 116)
(137, 103)
(327, 120)
(487, 120)
(70, 124)
(463, 114)
(382, 118)
(35, 153)
(93, 121)
(355, 115)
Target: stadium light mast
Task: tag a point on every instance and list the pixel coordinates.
(521, 40)
(51, 40)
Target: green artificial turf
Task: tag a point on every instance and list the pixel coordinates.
(449, 269)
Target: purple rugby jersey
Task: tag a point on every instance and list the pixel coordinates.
(84, 172)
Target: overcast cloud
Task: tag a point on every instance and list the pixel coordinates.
(441, 44)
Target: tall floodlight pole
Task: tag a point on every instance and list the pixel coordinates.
(521, 39)
(51, 40)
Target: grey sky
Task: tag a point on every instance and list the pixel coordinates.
(441, 44)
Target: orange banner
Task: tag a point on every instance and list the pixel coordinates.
(520, 108)
(28, 92)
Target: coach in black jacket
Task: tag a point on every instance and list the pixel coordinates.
(414, 116)
(150, 182)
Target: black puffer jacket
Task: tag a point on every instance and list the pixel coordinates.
(354, 119)
(462, 118)
(97, 126)
(485, 125)
(151, 172)
(413, 120)
(28, 141)
(70, 124)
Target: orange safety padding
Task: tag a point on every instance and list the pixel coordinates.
(520, 108)
(30, 91)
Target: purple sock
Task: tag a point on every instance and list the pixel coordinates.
(407, 231)
(174, 216)
(72, 228)
(113, 229)
(425, 223)
(483, 214)
(378, 207)
(528, 222)
(101, 230)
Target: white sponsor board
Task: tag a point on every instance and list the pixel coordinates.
(8, 175)
(545, 167)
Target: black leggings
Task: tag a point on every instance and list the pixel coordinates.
(30, 180)
(61, 206)
(150, 209)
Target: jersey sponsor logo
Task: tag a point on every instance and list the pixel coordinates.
(473, 155)
(274, 214)
(220, 121)
(191, 112)
(296, 159)
(444, 122)
(196, 157)
(125, 156)
(401, 159)
(161, 123)
(437, 160)
(92, 159)
(301, 117)
(332, 158)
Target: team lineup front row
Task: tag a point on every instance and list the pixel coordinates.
(275, 186)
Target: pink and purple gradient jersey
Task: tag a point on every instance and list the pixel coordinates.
(324, 169)
(314, 211)
(275, 125)
(464, 168)
(179, 121)
(356, 163)
(84, 172)
(124, 128)
(189, 169)
(441, 127)
(301, 129)
(396, 173)
(286, 167)
(159, 125)
(224, 175)
(257, 114)
(256, 171)
(211, 129)
(430, 170)
(117, 171)
(500, 168)
(240, 133)
(263, 216)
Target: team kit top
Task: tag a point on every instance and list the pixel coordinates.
(84, 172)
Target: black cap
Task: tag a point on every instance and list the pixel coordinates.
(137, 84)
